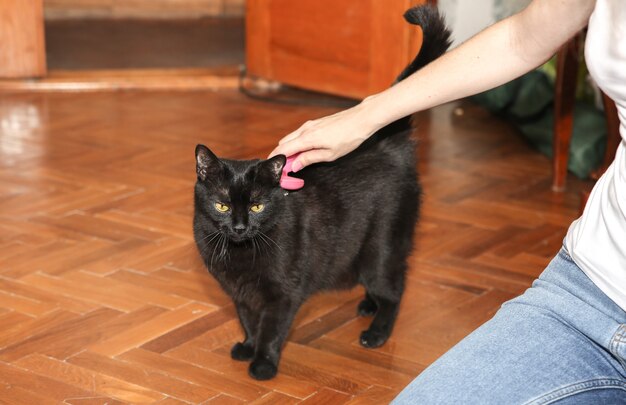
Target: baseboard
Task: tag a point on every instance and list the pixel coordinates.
(152, 9)
(128, 79)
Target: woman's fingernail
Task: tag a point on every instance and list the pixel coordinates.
(296, 166)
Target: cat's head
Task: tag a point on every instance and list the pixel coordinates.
(241, 198)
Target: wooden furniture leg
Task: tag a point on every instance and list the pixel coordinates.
(612, 142)
(565, 94)
(613, 137)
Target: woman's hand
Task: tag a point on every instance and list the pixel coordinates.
(328, 138)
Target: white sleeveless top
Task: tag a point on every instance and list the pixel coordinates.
(597, 240)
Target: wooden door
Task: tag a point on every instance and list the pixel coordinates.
(351, 48)
(22, 45)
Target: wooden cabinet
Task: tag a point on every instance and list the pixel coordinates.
(22, 49)
(351, 48)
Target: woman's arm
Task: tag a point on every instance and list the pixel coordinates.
(500, 53)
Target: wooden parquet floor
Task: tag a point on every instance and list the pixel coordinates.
(103, 298)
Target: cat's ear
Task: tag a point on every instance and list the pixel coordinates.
(272, 168)
(207, 163)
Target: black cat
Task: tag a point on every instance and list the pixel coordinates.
(352, 223)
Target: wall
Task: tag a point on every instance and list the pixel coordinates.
(159, 9)
(467, 18)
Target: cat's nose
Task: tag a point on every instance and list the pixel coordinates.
(240, 228)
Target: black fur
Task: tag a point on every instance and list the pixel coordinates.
(352, 223)
(436, 37)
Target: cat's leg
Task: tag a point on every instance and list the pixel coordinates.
(385, 287)
(273, 330)
(367, 307)
(249, 320)
(385, 256)
(382, 325)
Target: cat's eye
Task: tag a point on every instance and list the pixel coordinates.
(221, 207)
(257, 208)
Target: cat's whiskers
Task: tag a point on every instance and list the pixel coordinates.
(269, 248)
(271, 240)
(215, 247)
(221, 248)
(224, 252)
(209, 236)
(213, 238)
(206, 244)
(212, 254)
(254, 247)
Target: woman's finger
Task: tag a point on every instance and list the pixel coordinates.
(275, 152)
(291, 136)
(288, 149)
(310, 157)
(299, 144)
(286, 139)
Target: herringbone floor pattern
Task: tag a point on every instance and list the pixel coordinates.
(103, 298)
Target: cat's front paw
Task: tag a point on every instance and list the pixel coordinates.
(262, 369)
(242, 352)
(372, 339)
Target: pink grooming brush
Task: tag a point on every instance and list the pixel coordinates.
(287, 182)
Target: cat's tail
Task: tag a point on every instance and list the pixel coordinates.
(436, 40)
(436, 37)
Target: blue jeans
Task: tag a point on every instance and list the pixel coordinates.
(562, 342)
